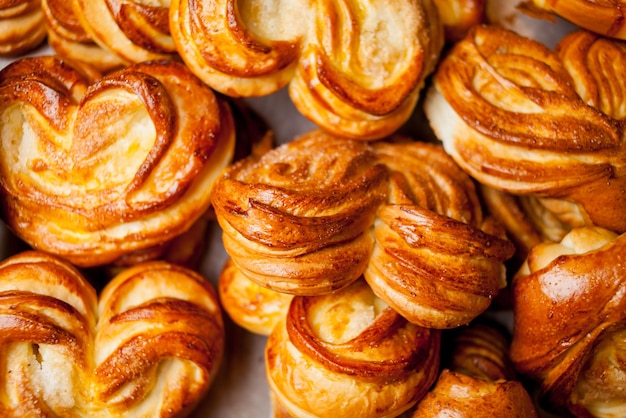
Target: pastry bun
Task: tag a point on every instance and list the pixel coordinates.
(508, 111)
(479, 381)
(64, 189)
(150, 346)
(313, 215)
(347, 354)
(569, 305)
(353, 68)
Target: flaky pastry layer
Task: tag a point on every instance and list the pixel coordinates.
(355, 68)
(508, 111)
(149, 346)
(92, 170)
(313, 215)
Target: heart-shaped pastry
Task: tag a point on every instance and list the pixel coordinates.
(150, 346)
(353, 68)
(91, 171)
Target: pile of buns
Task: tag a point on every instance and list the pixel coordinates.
(370, 256)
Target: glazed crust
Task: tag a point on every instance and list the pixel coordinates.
(311, 216)
(478, 380)
(22, 26)
(67, 193)
(354, 68)
(347, 354)
(151, 345)
(569, 303)
(507, 110)
(604, 17)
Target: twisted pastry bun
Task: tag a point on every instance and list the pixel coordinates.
(348, 354)
(604, 17)
(150, 346)
(353, 68)
(480, 381)
(506, 109)
(65, 189)
(459, 16)
(252, 307)
(135, 31)
(436, 260)
(22, 26)
(68, 38)
(296, 219)
(313, 215)
(569, 304)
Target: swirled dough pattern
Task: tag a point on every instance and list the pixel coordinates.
(348, 354)
(150, 346)
(508, 111)
(313, 215)
(94, 170)
(355, 68)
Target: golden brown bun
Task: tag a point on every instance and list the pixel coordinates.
(150, 346)
(605, 17)
(347, 354)
(68, 38)
(135, 31)
(353, 68)
(569, 311)
(313, 215)
(249, 305)
(459, 16)
(478, 380)
(65, 189)
(507, 111)
(22, 26)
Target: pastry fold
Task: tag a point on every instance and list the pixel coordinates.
(569, 312)
(22, 27)
(355, 68)
(68, 38)
(508, 111)
(65, 188)
(150, 345)
(135, 31)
